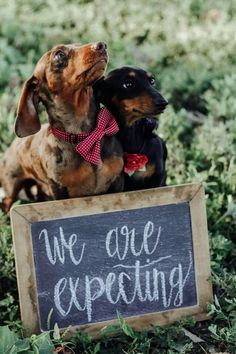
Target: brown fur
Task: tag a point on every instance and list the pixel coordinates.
(65, 89)
(134, 108)
(150, 170)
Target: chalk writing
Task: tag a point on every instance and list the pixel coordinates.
(143, 264)
(59, 246)
(130, 235)
(155, 292)
(115, 284)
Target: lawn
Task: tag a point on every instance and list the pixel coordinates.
(190, 46)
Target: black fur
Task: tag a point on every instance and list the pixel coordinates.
(130, 95)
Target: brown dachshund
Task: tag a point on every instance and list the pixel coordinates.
(62, 81)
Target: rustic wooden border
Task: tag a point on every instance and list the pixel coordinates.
(23, 216)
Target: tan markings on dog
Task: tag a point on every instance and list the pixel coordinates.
(80, 106)
(84, 65)
(149, 74)
(30, 172)
(132, 74)
(136, 108)
(150, 170)
(108, 172)
(28, 143)
(50, 150)
(48, 133)
(79, 181)
(6, 205)
(79, 68)
(44, 172)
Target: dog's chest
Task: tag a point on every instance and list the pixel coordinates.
(89, 180)
(107, 172)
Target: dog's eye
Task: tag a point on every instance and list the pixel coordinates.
(152, 81)
(128, 84)
(59, 55)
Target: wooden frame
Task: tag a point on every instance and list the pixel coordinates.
(22, 217)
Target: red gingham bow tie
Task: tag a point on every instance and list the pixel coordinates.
(89, 144)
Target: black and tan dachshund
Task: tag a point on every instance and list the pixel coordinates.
(129, 93)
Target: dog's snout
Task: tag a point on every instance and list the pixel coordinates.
(161, 103)
(100, 46)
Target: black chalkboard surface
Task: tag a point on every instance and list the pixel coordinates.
(133, 261)
(144, 254)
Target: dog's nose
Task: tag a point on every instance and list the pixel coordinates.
(162, 103)
(100, 46)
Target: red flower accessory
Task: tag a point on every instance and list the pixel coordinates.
(134, 162)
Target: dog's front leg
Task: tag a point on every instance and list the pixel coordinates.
(117, 185)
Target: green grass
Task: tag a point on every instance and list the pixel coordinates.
(190, 46)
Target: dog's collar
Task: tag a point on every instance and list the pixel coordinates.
(89, 144)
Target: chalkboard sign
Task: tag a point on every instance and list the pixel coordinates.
(143, 254)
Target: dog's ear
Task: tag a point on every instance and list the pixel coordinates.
(27, 119)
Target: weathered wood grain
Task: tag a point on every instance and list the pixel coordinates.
(22, 218)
